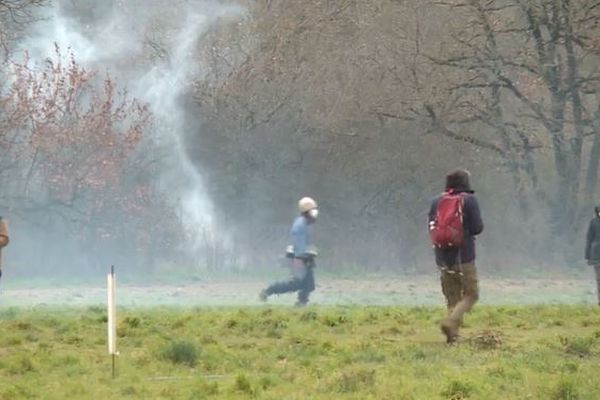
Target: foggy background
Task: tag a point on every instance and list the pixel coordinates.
(175, 138)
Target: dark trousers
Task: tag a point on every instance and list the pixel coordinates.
(303, 281)
(597, 270)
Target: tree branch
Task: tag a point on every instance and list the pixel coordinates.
(438, 126)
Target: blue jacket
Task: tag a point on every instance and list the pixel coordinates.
(473, 226)
(300, 236)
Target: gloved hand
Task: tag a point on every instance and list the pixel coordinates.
(312, 252)
(289, 251)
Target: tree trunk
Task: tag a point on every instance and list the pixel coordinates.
(591, 180)
(576, 144)
(497, 116)
(561, 206)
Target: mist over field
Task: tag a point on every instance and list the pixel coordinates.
(174, 139)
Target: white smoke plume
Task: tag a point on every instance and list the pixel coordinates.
(149, 46)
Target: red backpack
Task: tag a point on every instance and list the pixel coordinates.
(446, 230)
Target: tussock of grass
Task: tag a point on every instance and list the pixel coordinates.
(566, 389)
(458, 390)
(243, 384)
(181, 352)
(355, 379)
(132, 322)
(577, 345)
(316, 353)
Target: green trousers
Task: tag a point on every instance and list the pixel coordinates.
(461, 289)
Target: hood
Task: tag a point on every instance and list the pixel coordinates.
(458, 181)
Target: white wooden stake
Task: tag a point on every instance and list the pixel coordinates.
(112, 317)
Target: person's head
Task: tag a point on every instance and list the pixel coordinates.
(597, 211)
(458, 180)
(308, 208)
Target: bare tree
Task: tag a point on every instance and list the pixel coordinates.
(527, 73)
(15, 16)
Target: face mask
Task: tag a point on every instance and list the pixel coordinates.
(313, 213)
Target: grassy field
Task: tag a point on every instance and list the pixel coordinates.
(536, 352)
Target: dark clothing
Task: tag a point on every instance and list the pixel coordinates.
(592, 244)
(473, 226)
(597, 271)
(303, 281)
(592, 250)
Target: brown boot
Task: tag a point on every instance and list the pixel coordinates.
(450, 329)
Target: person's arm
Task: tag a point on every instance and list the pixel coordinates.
(590, 236)
(473, 221)
(432, 212)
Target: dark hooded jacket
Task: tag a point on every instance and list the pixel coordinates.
(473, 225)
(592, 244)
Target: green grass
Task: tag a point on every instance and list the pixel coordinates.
(538, 352)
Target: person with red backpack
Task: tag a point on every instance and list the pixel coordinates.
(454, 221)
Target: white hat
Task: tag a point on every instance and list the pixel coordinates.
(306, 204)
